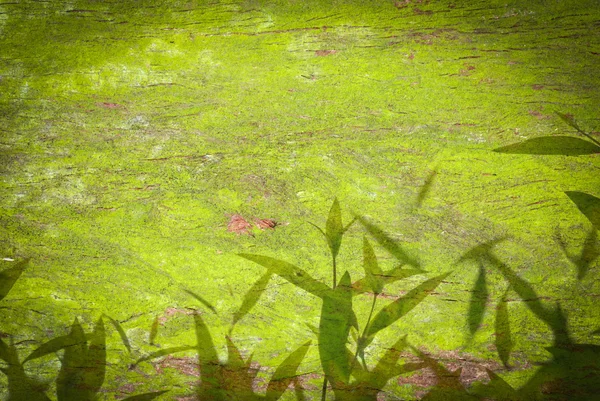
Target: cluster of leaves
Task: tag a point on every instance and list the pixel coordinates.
(351, 379)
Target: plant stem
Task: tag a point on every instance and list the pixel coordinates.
(334, 273)
(324, 389)
(362, 337)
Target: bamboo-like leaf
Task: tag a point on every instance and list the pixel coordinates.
(588, 204)
(164, 352)
(373, 272)
(238, 376)
(52, 346)
(121, 332)
(252, 297)
(334, 229)
(426, 188)
(20, 386)
(334, 327)
(9, 277)
(145, 396)
(504, 343)
(499, 389)
(390, 276)
(153, 331)
(551, 145)
(234, 356)
(478, 301)
(208, 362)
(70, 384)
(400, 307)
(95, 372)
(388, 243)
(570, 120)
(386, 367)
(289, 272)
(202, 301)
(286, 373)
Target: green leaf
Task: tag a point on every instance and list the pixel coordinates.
(238, 376)
(334, 327)
(153, 331)
(121, 332)
(289, 272)
(551, 145)
(388, 243)
(478, 301)
(70, 384)
(569, 120)
(334, 229)
(52, 346)
(165, 351)
(208, 362)
(372, 271)
(286, 373)
(504, 343)
(145, 396)
(426, 188)
(202, 301)
(95, 371)
(252, 297)
(9, 277)
(386, 368)
(391, 276)
(588, 204)
(400, 307)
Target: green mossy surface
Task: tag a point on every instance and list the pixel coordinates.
(132, 131)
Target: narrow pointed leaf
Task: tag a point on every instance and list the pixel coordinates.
(570, 121)
(390, 276)
(334, 327)
(121, 332)
(164, 352)
(145, 396)
(202, 301)
(70, 383)
(400, 307)
(153, 331)
(289, 272)
(286, 373)
(388, 243)
(551, 145)
(589, 253)
(95, 372)
(386, 367)
(588, 204)
(234, 356)
(237, 376)
(478, 301)
(51, 346)
(208, 362)
(9, 277)
(499, 389)
(252, 297)
(372, 271)
(426, 188)
(334, 229)
(504, 343)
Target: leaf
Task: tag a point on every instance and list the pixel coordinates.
(478, 301)
(202, 301)
(551, 145)
(334, 229)
(388, 243)
(70, 384)
(391, 276)
(569, 120)
(400, 307)
(9, 277)
(252, 297)
(153, 331)
(588, 204)
(121, 332)
(286, 373)
(51, 346)
(237, 375)
(95, 368)
(145, 396)
(208, 362)
(334, 327)
(504, 343)
(386, 367)
(164, 351)
(426, 188)
(372, 271)
(289, 272)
